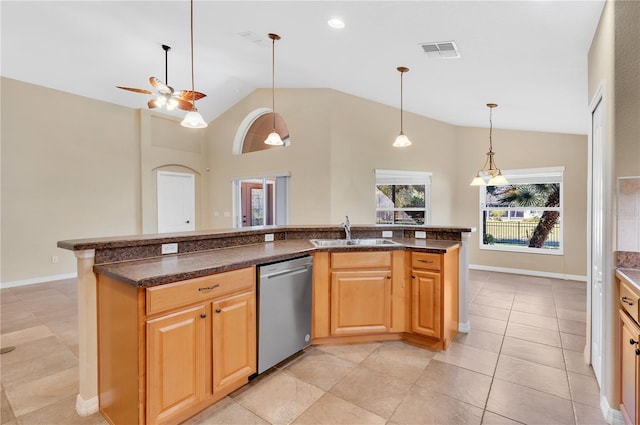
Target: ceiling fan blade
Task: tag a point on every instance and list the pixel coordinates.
(152, 104)
(143, 91)
(184, 105)
(160, 86)
(188, 95)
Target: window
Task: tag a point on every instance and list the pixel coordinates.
(526, 214)
(255, 128)
(403, 197)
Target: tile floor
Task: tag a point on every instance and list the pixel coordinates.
(521, 363)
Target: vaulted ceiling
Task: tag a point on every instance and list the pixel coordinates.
(530, 57)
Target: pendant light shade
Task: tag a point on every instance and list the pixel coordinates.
(402, 140)
(193, 119)
(489, 169)
(273, 138)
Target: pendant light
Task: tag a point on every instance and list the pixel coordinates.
(493, 172)
(273, 138)
(193, 119)
(402, 140)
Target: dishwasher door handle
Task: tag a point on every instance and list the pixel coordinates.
(285, 272)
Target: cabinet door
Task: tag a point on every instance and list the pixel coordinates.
(426, 305)
(629, 369)
(234, 339)
(175, 363)
(360, 302)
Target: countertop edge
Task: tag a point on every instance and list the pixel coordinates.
(126, 271)
(630, 275)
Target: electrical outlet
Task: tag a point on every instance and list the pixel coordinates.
(268, 237)
(54, 259)
(421, 235)
(387, 234)
(169, 248)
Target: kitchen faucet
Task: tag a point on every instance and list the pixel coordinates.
(347, 228)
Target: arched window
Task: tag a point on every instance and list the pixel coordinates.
(255, 128)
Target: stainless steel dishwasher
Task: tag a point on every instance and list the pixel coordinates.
(284, 310)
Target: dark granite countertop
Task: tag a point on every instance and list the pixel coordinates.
(139, 240)
(175, 267)
(631, 275)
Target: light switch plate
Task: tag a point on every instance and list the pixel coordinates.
(421, 235)
(268, 237)
(387, 234)
(169, 248)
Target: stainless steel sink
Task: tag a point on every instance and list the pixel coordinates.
(351, 242)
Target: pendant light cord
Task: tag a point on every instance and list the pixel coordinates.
(490, 130)
(273, 81)
(193, 89)
(401, 91)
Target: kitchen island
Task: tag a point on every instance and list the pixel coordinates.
(138, 262)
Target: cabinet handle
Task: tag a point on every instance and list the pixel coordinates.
(637, 351)
(203, 315)
(633, 342)
(388, 277)
(413, 276)
(218, 310)
(208, 288)
(425, 261)
(626, 300)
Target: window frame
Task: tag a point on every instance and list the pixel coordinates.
(525, 176)
(402, 177)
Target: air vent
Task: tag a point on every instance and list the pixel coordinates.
(254, 38)
(441, 49)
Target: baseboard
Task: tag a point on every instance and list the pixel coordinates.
(528, 272)
(611, 415)
(464, 327)
(35, 280)
(87, 407)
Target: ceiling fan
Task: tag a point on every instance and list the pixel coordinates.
(166, 96)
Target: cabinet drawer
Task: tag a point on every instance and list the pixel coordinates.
(424, 260)
(172, 295)
(357, 260)
(629, 300)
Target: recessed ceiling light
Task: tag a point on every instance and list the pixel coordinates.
(336, 23)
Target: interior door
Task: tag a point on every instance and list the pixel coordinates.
(597, 239)
(176, 202)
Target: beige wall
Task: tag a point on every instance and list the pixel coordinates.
(74, 167)
(97, 176)
(337, 141)
(69, 170)
(522, 149)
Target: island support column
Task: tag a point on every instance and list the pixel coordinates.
(87, 399)
(463, 293)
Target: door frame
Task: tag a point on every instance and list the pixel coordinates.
(607, 371)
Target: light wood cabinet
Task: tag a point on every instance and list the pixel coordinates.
(360, 293)
(234, 341)
(176, 354)
(360, 302)
(426, 289)
(629, 351)
(167, 352)
(629, 369)
(434, 295)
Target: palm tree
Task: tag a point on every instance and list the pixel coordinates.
(533, 195)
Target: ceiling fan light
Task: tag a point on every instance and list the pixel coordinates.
(477, 181)
(274, 139)
(172, 104)
(193, 119)
(401, 141)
